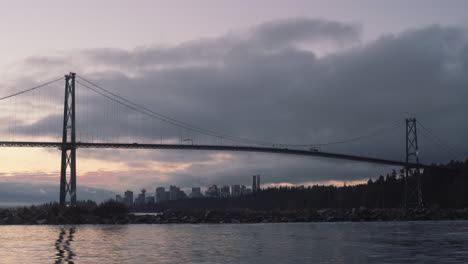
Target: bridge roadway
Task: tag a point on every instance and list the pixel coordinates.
(213, 148)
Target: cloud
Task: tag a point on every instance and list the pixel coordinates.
(267, 37)
(263, 84)
(285, 32)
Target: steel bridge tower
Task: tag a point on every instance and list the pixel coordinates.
(413, 193)
(68, 147)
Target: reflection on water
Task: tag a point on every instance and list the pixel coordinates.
(388, 242)
(62, 245)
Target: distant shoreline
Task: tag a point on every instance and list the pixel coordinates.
(22, 217)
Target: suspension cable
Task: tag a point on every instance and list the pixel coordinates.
(177, 122)
(375, 133)
(450, 150)
(134, 108)
(31, 89)
(191, 127)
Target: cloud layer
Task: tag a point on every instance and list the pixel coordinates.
(299, 81)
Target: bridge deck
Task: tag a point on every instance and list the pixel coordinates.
(214, 148)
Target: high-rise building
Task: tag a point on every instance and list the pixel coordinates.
(256, 183)
(243, 190)
(150, 200)
(224, 191)
(128, 198)
(141, 198)
(196, 192)
(235, 190)
(212, 191)
(160, 194)
(143, 195)
(173, 192)
(181, 194)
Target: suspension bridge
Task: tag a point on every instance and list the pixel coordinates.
(37, 122)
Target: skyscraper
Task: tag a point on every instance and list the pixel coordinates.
(160, 194)
(212, 191)
(196, 192)
(173, 192)
(128, 198)
(150, 200)
(224, 191)
(235, 190)
(141, 199)
(256, 183)
(243, 190)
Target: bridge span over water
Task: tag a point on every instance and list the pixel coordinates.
(284, 151)
(69, 143)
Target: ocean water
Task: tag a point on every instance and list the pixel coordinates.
(375, 242)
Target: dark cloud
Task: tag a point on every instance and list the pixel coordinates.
(285, 32)
(263, 85)
(266, 37)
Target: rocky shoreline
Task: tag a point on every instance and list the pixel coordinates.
(25, 216)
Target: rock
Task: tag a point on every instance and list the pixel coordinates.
(207, 214)
(15, 220)
(41, 221)
(362, 209)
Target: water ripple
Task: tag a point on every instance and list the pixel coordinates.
(387, 242)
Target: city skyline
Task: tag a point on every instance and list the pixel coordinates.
(161, 193)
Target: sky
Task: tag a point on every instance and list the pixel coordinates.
(297, 72)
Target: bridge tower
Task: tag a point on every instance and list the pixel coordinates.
(413, 193)
(68, 165)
